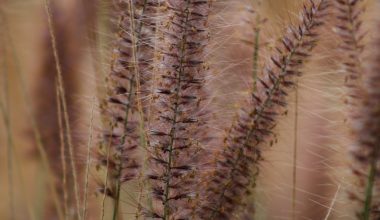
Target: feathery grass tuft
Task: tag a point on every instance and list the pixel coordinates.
(349, 29)
(238, 165)
(366, 129)
(179, 128)
(128, 79)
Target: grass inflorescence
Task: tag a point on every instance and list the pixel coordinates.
(365, 127)
(179, 121)
(238, 165)
(128, 78)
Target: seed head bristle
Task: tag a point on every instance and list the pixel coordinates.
(128, 81)
(178, 129)
(366, 129)
(237, 166)
(349, 29)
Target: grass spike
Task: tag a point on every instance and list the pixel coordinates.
(238, 163)
(178, 119)
(122, 109)
(366, 128)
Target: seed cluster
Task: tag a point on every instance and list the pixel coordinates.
(238, 165)
(178, 129)
(349, 29)
(366, 128)
(130, 67)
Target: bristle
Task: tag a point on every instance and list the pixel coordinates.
(349, 29)
(129, 79)
(178, 129)
(362, 104)
(237, 166)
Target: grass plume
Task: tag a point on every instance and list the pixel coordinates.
(178, 128)
(366, 128)
(349, 28)
(238, 165)
(122, 109)
(362, 101)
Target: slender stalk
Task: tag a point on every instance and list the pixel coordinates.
(366, 213)
(105, 189)
(256, 50)
(88, 162)
(257, 26)
(63, 154)
(117, 200)
(295, 151)
(64, 105)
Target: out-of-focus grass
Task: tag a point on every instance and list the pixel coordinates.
(24, 170)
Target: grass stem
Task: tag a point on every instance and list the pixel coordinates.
(63, 154)
(64, 104)
(88, 162)
(366, 213)
(295, 151)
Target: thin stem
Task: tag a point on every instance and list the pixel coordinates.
(64, 104)
(295, 151)
(88, 162)
(105, 183)
(255, 68)
(366, 213)
(63, 155)
(117, 199)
